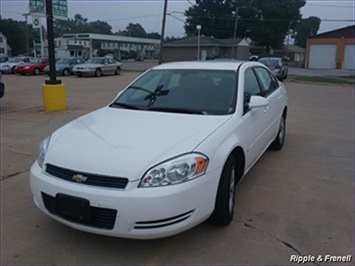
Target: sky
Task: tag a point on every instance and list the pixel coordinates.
(119, 13)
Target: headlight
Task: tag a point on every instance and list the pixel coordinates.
(42, 151)
(175, 171)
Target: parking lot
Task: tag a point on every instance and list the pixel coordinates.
(299, 201)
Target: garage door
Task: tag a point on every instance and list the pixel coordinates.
(349, 57)
(322, 56)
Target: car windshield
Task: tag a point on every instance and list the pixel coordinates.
(206, 92)
(269, 61)
(14, 60)
(95, 61)
(64, 61)
(36, 60)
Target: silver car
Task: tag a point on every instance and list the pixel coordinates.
(277, 66)
(98, 66)
(10, 65)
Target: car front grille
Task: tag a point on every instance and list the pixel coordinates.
(163, 222)
(87, 179)
(100, 217)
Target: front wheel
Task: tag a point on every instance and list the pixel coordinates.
(224, 207)
(278, 143)
(66, 72)
(36, 72)
(118, 71)
(97, 73)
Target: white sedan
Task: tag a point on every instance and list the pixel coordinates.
(166, 154)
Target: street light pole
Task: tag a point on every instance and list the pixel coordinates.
(235, 31)
(198, 27)
(27, 46)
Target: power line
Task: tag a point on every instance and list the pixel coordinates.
(330, 6)
(155, 15)
(169, 14)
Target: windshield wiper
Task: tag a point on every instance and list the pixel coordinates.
(125, 105)
(176, 110)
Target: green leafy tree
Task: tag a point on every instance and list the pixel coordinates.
(137, 30)
(80, 24)
(266, 22)
(15, 32)
(304, 29)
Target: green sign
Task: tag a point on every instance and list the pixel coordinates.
(60, 8)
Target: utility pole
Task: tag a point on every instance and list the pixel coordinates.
(163, 32)
(51, 51)
(198, 28)
(53, 90)
(26, 21)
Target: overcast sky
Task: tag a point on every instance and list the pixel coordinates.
(119, 13)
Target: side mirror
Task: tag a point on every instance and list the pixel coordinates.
(258, 102)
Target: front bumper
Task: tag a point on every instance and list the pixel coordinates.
(6, 70)
(142, 213)
(84, 72)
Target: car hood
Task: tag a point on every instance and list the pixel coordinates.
(8, 64)
(58, 66)
(89, 65)
(126, 143)
(27, 64)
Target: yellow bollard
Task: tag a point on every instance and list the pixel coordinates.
(54, 97)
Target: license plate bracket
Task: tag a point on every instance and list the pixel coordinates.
(73, 208)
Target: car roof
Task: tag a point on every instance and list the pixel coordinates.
(212, 65)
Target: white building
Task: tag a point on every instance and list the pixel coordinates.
(147, 48)
(3, 46)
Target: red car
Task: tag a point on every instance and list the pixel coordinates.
(35, 67)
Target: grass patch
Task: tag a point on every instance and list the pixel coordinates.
(332, 80)
(348, 77)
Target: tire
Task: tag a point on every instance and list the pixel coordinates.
(118, 71)
(279, 141)
(36, 71)
(285, 77)
(13, 70)
(97, 72)
(66, 72)
(224, 206)
(79, 75)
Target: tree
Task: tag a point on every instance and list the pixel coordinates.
(304, 29)
(15, 32)
(137, 30)
(266, 22)
(79, 24)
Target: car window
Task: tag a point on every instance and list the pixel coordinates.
(26, 60)
(208, 92)
(251, 88)
(266, 82)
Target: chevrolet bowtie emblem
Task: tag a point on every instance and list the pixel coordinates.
(79, 178)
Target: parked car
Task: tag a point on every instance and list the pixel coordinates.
(34, 67)
(65, 66)
(4, 59)
(2, 87)
(166, 154)
(98, 66)
(10, 65)
(253, 57)
(277, 66)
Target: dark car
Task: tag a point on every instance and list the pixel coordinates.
(2, 87)
(276, 65)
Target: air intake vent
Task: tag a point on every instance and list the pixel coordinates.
(163, 222)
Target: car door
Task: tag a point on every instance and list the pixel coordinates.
(252, 131)
(106, 66)
(271, 91)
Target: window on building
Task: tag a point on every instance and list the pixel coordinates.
(71, 53)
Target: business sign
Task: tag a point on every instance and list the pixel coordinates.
(37, 33)
(60, 8)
